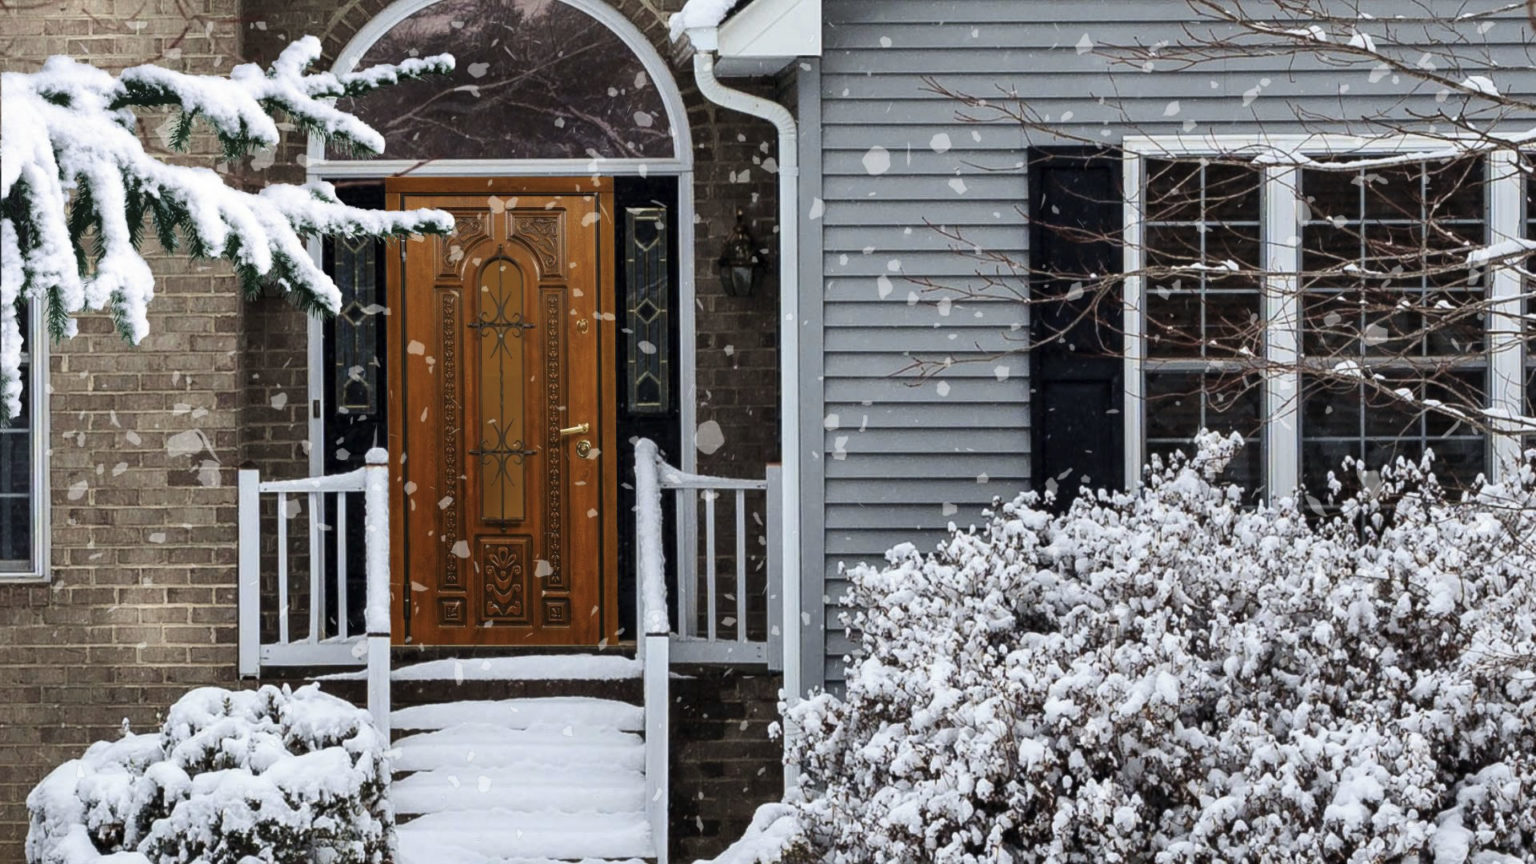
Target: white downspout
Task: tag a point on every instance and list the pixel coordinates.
(704, 43)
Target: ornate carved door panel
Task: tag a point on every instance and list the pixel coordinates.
(500, 380)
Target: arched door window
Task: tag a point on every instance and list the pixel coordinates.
(535, 79)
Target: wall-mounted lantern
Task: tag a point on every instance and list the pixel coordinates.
(741, 266)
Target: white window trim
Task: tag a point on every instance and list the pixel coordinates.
(1281, 240)
(37, 570)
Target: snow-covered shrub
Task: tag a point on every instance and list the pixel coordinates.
(1168, 676)
(232, 777)
(775, 836)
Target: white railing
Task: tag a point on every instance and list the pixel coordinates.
(658, 643)
(318, 645)
(700, 632)
(653, 641)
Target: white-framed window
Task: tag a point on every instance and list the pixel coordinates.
(24, 463)
(1529, 328)
(1257, 288)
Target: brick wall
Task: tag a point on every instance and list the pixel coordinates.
(723, 763)
(141, 606)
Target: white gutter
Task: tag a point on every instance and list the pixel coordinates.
(704, 42)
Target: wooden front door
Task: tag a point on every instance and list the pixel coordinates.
(500, 354)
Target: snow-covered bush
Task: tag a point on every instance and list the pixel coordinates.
(1168, 676)
(232, 777)
(775, 836)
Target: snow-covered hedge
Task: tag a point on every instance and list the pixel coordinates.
(1169, 677)
(775, 836)
(262, 776)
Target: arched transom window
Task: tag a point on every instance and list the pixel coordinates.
(536, 79)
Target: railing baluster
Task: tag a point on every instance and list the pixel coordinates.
(316, 571)
(709, 557)
(343, 608)
(282, 568)
(687, 507)
(741, 565)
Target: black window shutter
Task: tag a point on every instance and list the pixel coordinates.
(1076, 376)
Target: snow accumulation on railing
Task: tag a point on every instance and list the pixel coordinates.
(651, 561)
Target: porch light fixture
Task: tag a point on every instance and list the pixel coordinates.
(741, 266)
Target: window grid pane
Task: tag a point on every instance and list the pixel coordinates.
(16, 455)
(1529, 322)
(1386, 290)
(1202, 256)
(1203, 309)
(1181, 403)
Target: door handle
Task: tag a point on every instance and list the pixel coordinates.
(581, 429)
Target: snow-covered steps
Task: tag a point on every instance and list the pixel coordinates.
(520, 760)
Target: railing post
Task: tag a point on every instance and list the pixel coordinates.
(658, 703)
(653, 640)
(376, 612)
(248, 503)
(776, 608)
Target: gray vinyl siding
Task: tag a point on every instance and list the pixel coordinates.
(902, 457)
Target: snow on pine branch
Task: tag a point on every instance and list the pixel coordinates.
(77, 187)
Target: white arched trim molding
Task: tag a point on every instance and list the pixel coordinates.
(317, 167)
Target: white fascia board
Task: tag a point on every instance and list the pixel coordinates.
(772, 30)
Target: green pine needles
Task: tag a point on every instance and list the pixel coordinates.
(78, 193)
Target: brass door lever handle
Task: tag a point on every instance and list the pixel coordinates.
(582, 429)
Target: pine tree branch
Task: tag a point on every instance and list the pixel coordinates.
(76, 187)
